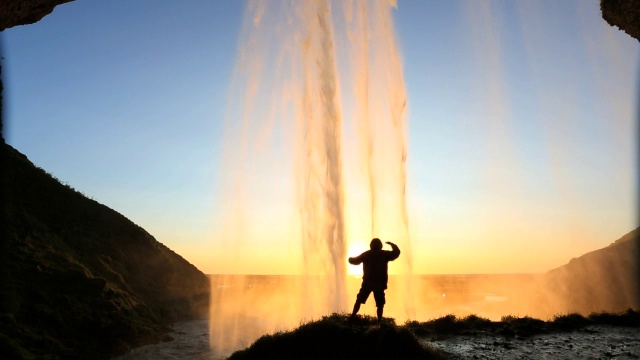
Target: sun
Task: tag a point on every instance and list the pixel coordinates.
(354, 249)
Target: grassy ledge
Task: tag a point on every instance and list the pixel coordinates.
(519, 326)
(334, 337)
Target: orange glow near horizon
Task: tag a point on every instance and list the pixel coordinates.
(437, 248)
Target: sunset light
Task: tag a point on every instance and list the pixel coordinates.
(257, 145)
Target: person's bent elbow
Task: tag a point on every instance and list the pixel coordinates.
(395, 250)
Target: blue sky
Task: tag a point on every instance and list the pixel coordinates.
(521, 122)
(122, 101)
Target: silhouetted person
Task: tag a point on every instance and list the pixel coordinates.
(375, 274)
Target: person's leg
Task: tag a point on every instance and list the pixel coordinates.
(361, 298)
(380, 301)
(356, 308)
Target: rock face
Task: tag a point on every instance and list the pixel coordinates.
(22, 12)
(625, 14)
(603, 280)
(79, 280)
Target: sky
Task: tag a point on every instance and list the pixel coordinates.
(521, 127)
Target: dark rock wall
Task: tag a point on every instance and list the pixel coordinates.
(77, 278)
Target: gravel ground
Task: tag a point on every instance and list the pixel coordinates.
(191, 341)
(593, 342)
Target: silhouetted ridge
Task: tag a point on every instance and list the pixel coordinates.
(80, 280)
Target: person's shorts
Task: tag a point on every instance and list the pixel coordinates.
(378, 295)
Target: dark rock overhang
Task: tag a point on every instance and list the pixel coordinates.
(23, 12)
(625, 14)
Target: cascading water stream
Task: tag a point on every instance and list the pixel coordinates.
(318, 167)
(287, 94)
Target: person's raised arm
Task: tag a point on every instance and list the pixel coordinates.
(395, 251)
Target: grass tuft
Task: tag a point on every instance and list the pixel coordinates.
(629, 318)
(570, 321)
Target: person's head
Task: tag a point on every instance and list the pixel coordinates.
(375, 244)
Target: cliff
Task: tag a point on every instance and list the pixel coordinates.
(607, 279)
(79, 280)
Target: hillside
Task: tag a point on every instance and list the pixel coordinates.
(79, 280)
(607, 279)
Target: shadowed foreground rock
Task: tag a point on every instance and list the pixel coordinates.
(333, 337)
(79, 280)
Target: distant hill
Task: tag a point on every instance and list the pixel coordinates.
(603, 280)
(79, 280)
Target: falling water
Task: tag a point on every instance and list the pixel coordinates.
(302, 68)
(318, 162)
(380, 98)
